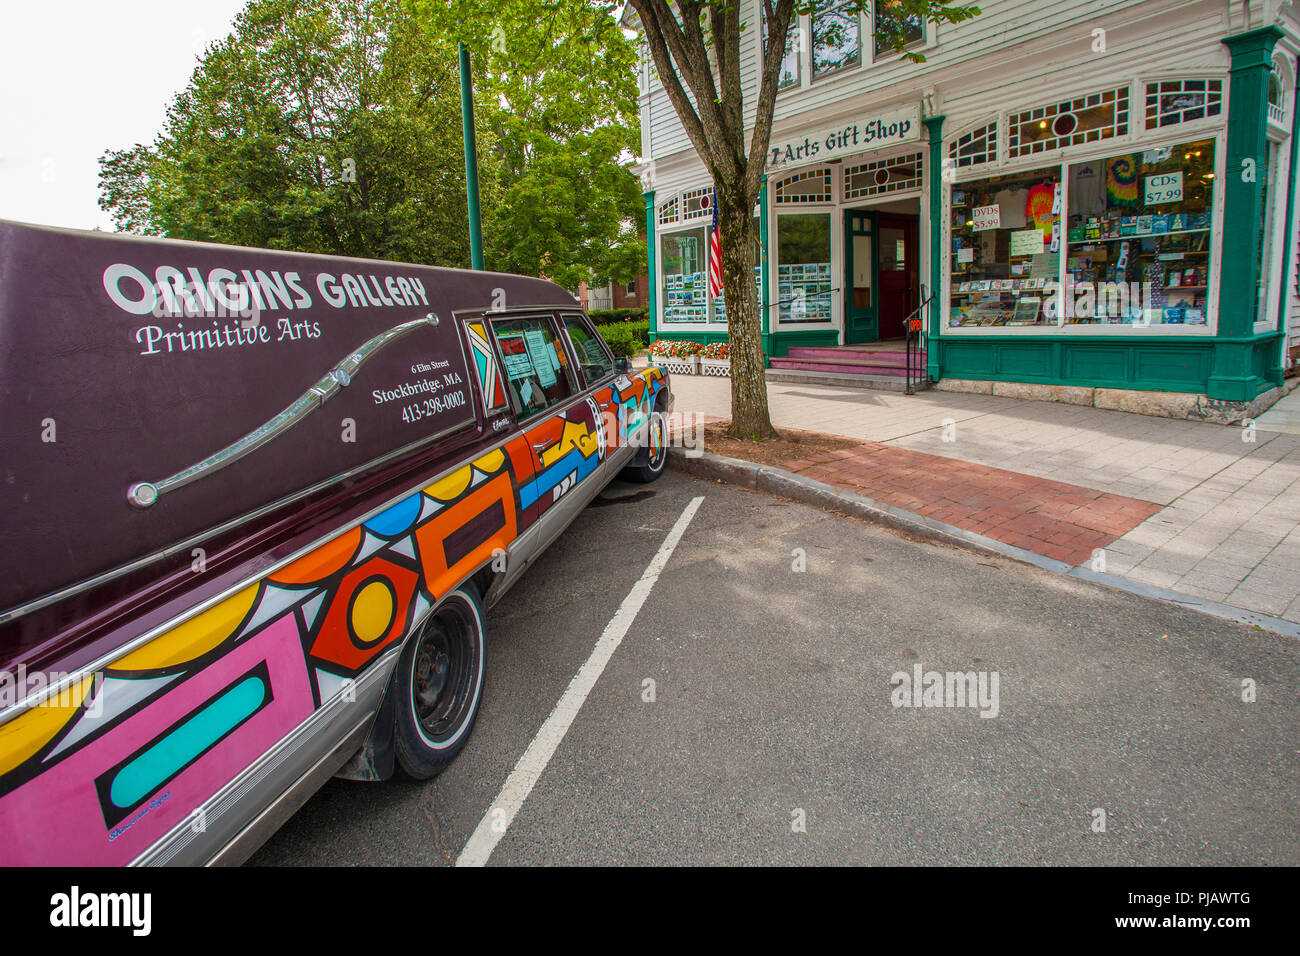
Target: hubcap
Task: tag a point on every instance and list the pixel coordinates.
(444, 673)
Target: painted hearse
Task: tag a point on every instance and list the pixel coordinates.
(255, 504)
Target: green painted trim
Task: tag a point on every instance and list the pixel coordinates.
(1143, 364)
(471, 160)
(1206, 341)
(1233, 377)
(934, 128)
(652, 284)
(1287, 257)
(765, 304)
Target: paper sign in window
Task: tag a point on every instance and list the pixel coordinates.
(542, 355)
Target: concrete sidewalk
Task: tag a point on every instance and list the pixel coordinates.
(1226, 499)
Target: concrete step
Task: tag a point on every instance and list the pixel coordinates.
(886, 383)
(856, 366)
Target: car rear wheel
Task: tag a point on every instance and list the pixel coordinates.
(439, 683)
(651, 458)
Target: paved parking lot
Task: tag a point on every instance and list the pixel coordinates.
(772, 708)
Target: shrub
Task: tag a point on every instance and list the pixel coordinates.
(640, 331)
(622, 341)
(609, 316)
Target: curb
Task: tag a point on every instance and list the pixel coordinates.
(808, 491)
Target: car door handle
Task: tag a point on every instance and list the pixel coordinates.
(540, 447)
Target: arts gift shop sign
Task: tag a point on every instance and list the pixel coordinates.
(876, 131)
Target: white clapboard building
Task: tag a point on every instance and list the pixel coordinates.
(1081, 200)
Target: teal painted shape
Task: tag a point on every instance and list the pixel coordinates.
(147, 772)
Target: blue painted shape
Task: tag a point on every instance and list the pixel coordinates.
(147, 772)
(397, 519)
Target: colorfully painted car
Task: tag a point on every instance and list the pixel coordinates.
(255, 504)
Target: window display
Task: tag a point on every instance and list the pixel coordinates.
(1138, 237)
(685, 277)
(804, 267)
(718, 305)
(1005, 259)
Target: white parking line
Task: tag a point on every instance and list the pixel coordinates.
(531, 765)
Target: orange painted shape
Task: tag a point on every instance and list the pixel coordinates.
(321, 563)
(438, 577)
(521, 458)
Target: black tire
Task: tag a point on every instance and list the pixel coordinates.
(438, 685)
(648, 464)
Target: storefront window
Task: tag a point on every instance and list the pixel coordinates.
(836, 43)
(1005, 250)
(892, 23)
(1138, 237)
(804, 266)
(684, 256)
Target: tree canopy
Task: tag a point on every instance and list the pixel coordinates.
(334, 126)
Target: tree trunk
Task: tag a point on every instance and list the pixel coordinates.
(750, 418)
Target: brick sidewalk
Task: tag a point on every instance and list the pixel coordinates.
(1051, 518)
(1208, 510)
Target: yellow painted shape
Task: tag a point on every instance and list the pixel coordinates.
(372, 612)
(29, 732)
(451, 486)
(491, 462)
(192, 639)
(575, 435)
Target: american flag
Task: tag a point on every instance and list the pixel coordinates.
(715, 257)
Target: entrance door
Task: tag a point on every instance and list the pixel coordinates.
(898, 275)
(860, 306)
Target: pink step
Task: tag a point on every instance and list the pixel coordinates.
(843, 365)
(867, 353)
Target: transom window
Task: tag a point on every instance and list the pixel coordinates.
(1181, 101)
(882, 176)
(807, 186)
(697, 203)
(669, 211)
(1087, 119)
(976, 147)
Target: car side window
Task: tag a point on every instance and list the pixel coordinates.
(536, 366)
(593, 356)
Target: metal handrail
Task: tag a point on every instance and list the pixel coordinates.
(914, 329)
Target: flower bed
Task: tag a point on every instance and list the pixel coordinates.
(716, 359)
(680, 357)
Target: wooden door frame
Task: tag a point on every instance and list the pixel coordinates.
(847, 255)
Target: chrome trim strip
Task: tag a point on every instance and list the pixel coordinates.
(144, 494)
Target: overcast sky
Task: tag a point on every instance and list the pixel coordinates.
(78, 77)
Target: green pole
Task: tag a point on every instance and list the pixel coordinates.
(471, 160)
